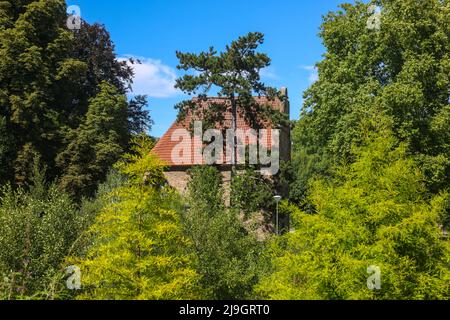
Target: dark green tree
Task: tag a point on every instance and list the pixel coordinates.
(33, 55)
(48, 76)
(96, 144)
(251, 192)
(6, 152)
(401, 70)
(93, 45)
(137, 249)
(235, 74)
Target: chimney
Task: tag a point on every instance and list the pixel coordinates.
(284, 94)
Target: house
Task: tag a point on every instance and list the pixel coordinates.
(170, 143)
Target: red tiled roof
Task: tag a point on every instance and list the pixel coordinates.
(166, 145)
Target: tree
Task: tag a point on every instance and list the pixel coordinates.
(235, 74)
(96, 144)
(401, 70)
(6, 152)
(33, 52)
(226, 253)
(93, 45)
(48, 76)
(39, 225)
(138, 250)
(374, 213)
(252, 193)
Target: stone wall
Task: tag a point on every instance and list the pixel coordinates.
(180, 179)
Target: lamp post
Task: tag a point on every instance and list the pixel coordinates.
(277, 200)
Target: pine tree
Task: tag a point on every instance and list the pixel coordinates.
(236, 74)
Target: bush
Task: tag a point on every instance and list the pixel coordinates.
(376, 212)
(138, 250)
(38, 228)
(226, 254)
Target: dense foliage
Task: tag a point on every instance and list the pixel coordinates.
(401, 70)
(138, 249)
(369, 179)
(39, 227)
(53, 86)
(227, 254)
(375, 212)
(235, 75)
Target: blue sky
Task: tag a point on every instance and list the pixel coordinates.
(154, 29)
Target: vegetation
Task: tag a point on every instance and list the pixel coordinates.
(138, 249)
(236, 74)
(57, 87)
(375, 212)
(39, 227)
(369, 179)
(227, 255)
(401, 70)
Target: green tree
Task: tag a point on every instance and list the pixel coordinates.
(33, 51)
(93, 46)
(96, 144)
(138, 250)
(227, 254)
(401, 70)
(375, 212)
(235, 73)
(251, 192)
(48, 77)
(6, 152)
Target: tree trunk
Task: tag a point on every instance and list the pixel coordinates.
(234, 148)
(234, 128)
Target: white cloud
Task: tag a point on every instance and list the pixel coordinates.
(313, 74)
(152, 78)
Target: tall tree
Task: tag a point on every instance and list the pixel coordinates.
(96, 144)
(33, 52)
(235, 73)
(375, 216)
(48, 77)
(401, 69)
(138, 250)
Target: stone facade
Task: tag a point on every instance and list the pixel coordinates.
(177, 175)
(179, 179)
